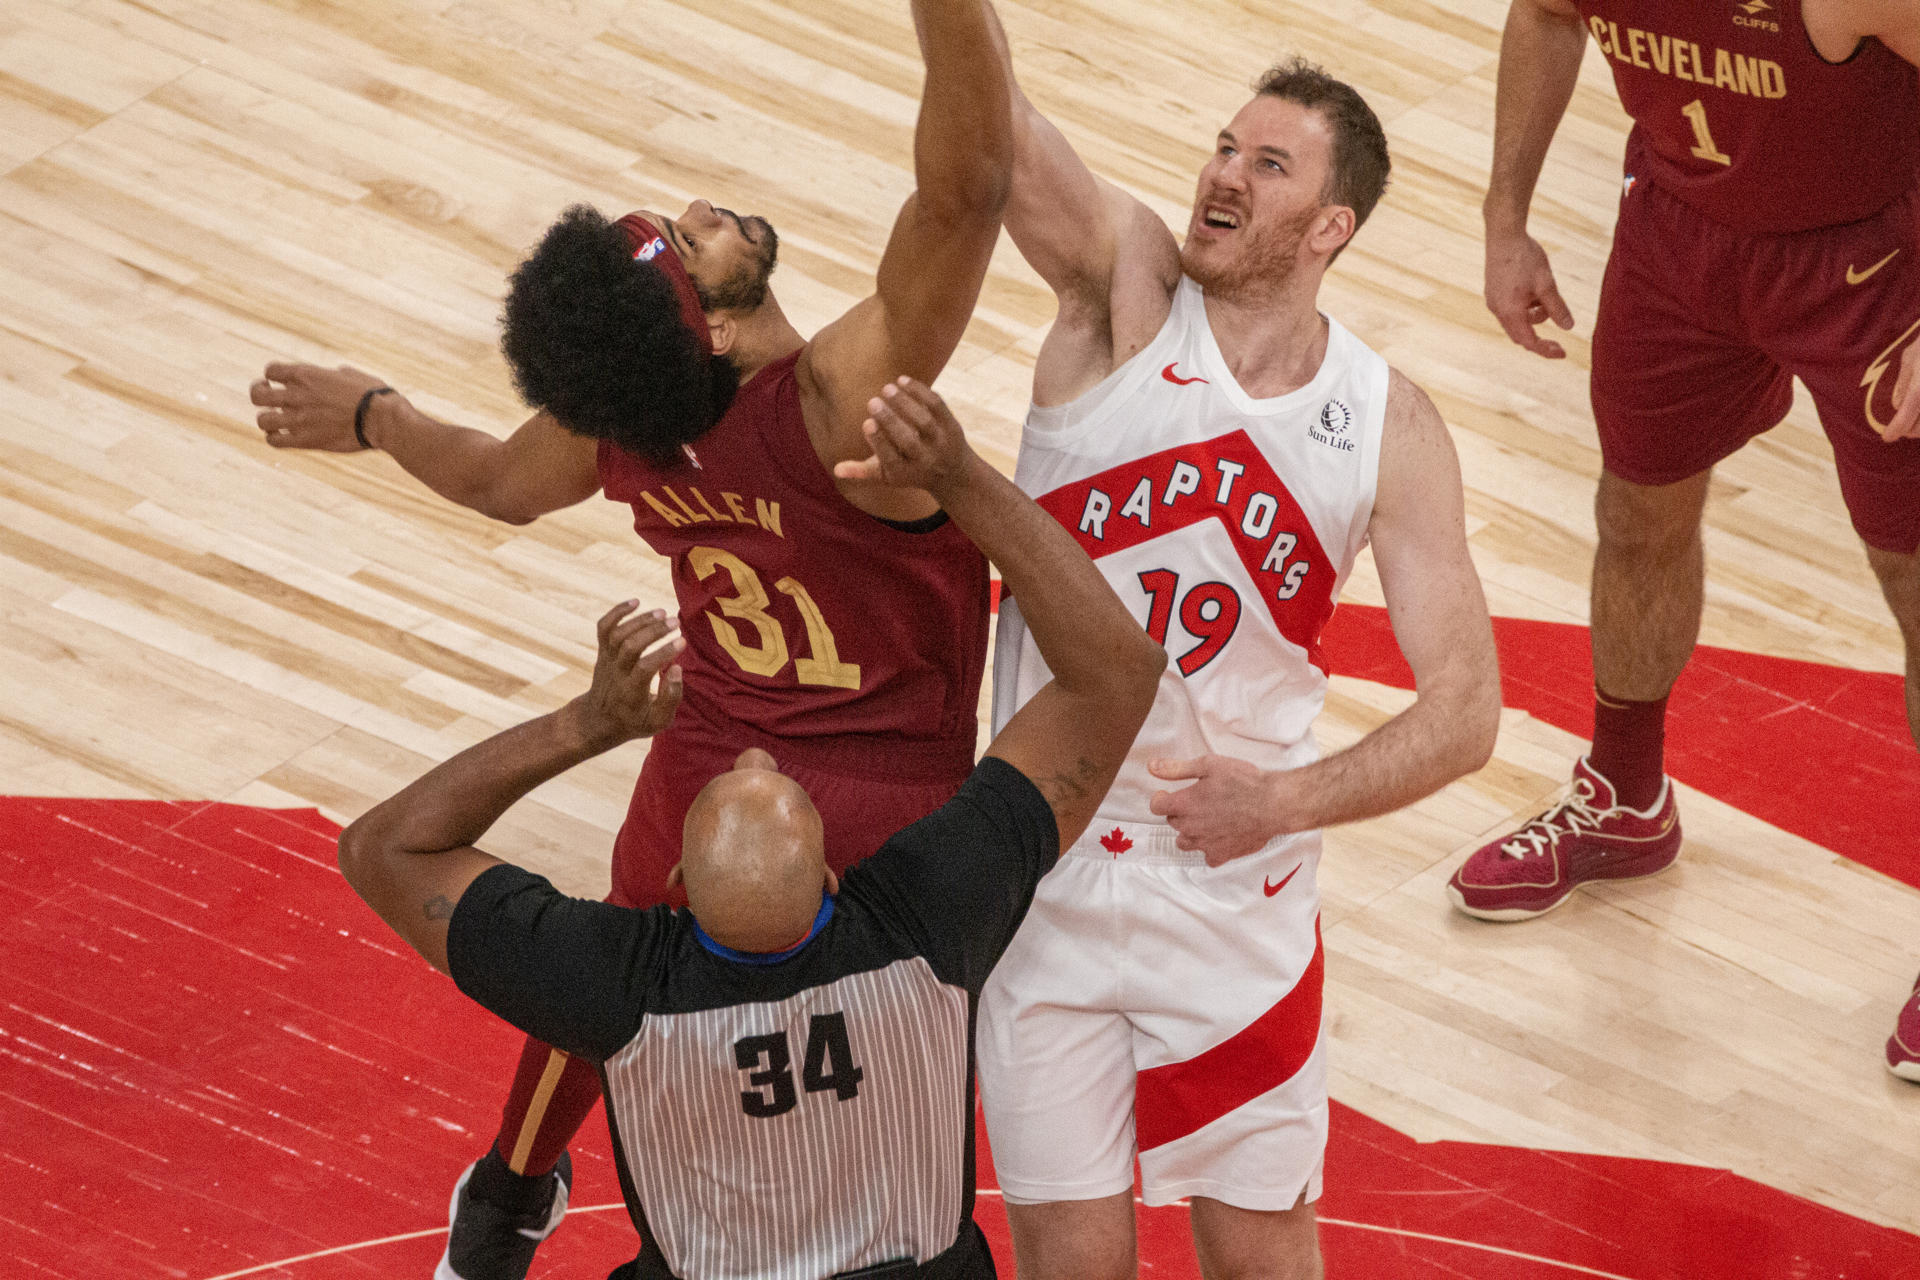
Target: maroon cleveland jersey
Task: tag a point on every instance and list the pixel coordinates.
(805, 617)
(1736, 114)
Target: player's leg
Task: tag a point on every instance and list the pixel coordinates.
(1231, 1111)
(1075, 1239)
(1843, 335)
(1250, 1244)
(515, 1195)
(1055, 1063)
(1673, 393)
(1649, 585)
(1899, 577)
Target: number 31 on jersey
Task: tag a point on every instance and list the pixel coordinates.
(768, 655)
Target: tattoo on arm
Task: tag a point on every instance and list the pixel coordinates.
(439, 907)
(1065, 786)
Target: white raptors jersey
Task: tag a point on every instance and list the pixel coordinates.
(1227, 524)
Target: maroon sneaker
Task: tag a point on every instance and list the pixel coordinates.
(1903, 1046)
(1587, 836)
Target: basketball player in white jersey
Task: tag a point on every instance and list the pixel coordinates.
(1223, 451)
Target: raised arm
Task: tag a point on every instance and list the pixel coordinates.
(1540, 53)
(1439, 618)
(1072, 737)
(1109, 259)
(540, 468)
(942, 240)
(412, 856)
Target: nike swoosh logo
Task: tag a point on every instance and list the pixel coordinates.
(1853, 277)
(1179, 381)
(1273, 888)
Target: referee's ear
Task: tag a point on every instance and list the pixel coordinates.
(675, 876)
(833, 881)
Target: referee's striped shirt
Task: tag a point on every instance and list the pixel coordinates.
(796, 1116)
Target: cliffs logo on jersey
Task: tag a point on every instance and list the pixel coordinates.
(1335, 418)
(1226, 479)
(1756, 15)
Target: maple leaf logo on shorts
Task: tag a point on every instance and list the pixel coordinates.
(1115, 842)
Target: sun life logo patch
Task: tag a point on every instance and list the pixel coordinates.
(1335, 418)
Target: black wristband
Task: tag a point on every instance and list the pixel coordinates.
(360, 414)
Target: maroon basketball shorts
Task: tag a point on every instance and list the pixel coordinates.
(1702, 330)
(865, 789)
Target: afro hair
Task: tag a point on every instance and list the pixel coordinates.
(596, 339)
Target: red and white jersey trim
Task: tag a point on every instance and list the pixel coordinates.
(1227, 523)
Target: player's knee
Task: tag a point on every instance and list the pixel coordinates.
(1075, 1240)
(1648, 521)
(1238, 1244)
(1076, 1260)
(1300, 1262)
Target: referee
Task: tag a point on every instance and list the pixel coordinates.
(788, 1061)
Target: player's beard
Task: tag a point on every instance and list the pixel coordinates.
(1264, 261)
(746, 287)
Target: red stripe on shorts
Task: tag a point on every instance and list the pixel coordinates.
(1175, 1100)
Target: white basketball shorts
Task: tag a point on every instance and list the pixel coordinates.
(1153, 1005)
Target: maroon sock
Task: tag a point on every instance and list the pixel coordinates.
(551, 1096)
(1629, 747)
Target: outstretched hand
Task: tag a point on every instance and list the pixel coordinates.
(917, 443)
(1228, 812)
(303, 406)
(624, 701)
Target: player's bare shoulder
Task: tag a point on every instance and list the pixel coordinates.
(1413, 421)
(1146, 271)
(1419, 466)
(1105, 322)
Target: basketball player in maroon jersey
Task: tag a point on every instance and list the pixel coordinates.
(838, 624)
(1769, 228)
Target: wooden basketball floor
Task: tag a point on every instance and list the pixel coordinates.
(190, 188)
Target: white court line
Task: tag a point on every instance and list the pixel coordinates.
(371, 1244)
(602, 1208)
(1470, 1244)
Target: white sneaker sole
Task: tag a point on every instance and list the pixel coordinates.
(1908, 1070)
(1501, 915)
(1506, 915)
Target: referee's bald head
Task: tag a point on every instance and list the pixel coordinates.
(753, 857)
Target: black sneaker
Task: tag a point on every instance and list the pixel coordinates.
(488, 1242)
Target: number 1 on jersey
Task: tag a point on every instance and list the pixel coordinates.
(1696, 114)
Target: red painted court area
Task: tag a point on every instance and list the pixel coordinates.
(214, 1062)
